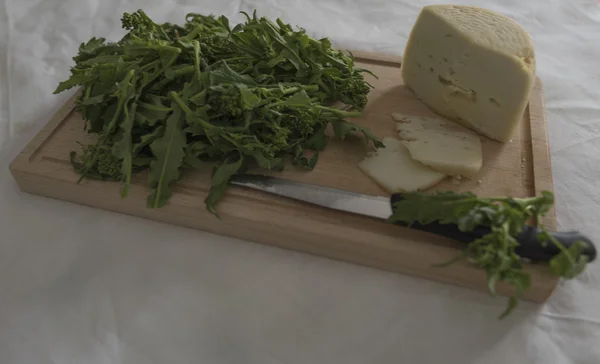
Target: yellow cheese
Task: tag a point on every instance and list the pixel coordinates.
(393, 169)
(441, 144)
(471, 65)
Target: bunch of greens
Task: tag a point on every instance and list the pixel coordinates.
(494, 252)
(166, 97)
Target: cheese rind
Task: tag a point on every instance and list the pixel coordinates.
(471, 65)
(393, 169)
(441, 144)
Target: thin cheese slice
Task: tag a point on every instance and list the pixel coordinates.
(472, 65)
(441, 144)
(393, 169)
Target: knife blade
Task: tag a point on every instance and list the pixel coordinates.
(341, 200)
(382, 208)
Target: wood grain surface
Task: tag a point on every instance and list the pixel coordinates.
(519, 168)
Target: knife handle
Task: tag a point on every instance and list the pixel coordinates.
(529, 245)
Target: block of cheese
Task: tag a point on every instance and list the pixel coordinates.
(393, 169)
(441, 144)
(471, 65)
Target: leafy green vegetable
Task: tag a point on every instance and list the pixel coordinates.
(495, 251)
(169, 96)
(571, 262)
(169, 152)
(105, 166)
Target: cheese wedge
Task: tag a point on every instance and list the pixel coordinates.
(393, 169)
(441, 144)
(471, 65)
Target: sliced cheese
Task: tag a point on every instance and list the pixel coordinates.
(393, 169)
(441, 144)
(471, 65)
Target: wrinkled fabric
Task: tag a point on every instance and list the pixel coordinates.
(81, 285)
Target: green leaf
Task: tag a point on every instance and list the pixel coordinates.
(225, 74)
(301, 160)
(268, 163)
(512, 304)
(342, 129)
(168, 56)
(147, 139)
(76, 79)
(150, 115)
(293, 58)
(193, 152)
(91, 48)
(318, 141)
(225, 171)
(570, 262)
(123, 149)
(169, 152)
(299, 99)
(215, 194)
(276, 60)
(225, 22)
(246, 43)
(491, 282)
(249, 99)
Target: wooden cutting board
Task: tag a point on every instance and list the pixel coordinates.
(519, 168)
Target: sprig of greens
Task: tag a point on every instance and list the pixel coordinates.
(495, 251)
(166, 97)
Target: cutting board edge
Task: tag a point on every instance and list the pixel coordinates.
(539, 292)
(413, 247)
(542, 160)
(21, 161)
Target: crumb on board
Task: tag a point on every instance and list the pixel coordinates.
(479, 181)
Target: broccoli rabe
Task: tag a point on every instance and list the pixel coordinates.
(354, 91)
(302, 122)
(100, 160)
(225, 100)
(167, 96)
(140, 25)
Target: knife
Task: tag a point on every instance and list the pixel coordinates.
(381, 208)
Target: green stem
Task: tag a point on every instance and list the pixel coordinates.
(324, 86)
(561, 247)
(291, 90)
(194, 33)
(196, 58)
(173, 74)
(154, 107)
(235, 59)
(348, 114)
(167, 48)
(148, 66)
(180, 102)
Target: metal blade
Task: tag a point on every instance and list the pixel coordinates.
(341, 200)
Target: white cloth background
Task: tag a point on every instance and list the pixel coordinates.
(80, 285)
